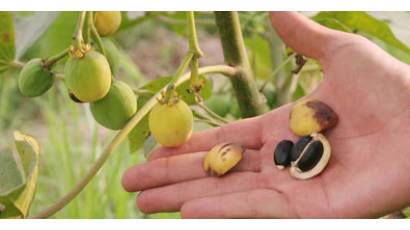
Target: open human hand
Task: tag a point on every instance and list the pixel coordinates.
(367, 176)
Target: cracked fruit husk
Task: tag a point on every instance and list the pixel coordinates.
(107, 22)
(311, 116)
(171, 124)
(116, 108)
(34, 79)
(88, 77)
(313, 157)
(222, 158)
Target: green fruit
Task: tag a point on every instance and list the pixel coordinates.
(34, 79)
(234, 109)
(88, 77)
(112, 55)
(171, 124)
(219, 104)
(107, 22)
(116, 108)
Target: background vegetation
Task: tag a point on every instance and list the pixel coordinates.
(149, 46)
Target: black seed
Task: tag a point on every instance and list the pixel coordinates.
(311, 156)
(299, 147)
(281, 155)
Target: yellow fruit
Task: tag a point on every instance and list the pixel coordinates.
(107, 22)
(222, 158)
(88, 77)
(171, 124)
(116, 108)
(311, 116)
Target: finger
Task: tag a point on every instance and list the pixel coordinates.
(170, 198)
(259, 203)
(302, 34)
(179, 168)
(246, 132)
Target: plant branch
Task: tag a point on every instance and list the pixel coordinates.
(205, 119)
(78, 35)
(276, 70)
(196, 84)
(212, 113)
(122, 135)
(143, 92)
(193, 38)
(95, 34)
(169, 91)
(16, 64)
(246, 91)
(53, 59)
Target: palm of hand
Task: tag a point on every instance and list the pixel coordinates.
(368, 145)
(365, 87)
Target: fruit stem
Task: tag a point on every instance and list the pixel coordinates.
(53, 59)
(122, 135)
(193, 38)
(206, 119)
(247, 94)
(143, 92)
(211, 113)
(276, 70)
(170, 89)
(16, 64)
(194, 48)
(78, 37)
(95, 35)
(87, 32)
(209, 122)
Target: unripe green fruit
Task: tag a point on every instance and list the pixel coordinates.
(112, 54)
(107, 22)
(88, 77)
(220, 104)
(116, 108)
(34, 79)
(171, 124)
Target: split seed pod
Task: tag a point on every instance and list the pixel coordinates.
(311, 116)
(222, 158)
(312, 156)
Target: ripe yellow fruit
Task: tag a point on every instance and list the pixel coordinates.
(171, 124)
(311, 116)
(88, 77)
(107, 22)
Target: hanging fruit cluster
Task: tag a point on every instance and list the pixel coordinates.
(88, 73)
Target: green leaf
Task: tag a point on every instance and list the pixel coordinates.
(138, 135)
(260, 56)
(16, 204)
(362, 23)
(7, 46)
(12, 175)
(57, 37)
(182, 90)
(176, 22)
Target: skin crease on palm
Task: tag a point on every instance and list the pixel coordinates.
(367, 176)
